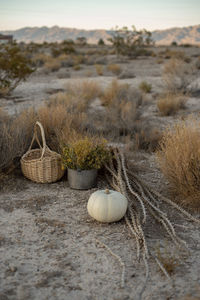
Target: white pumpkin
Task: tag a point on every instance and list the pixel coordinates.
(107, 206)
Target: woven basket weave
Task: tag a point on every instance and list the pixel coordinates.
(41, 165)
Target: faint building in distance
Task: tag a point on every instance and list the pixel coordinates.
(4, 39)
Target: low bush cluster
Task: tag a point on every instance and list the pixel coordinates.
(170, 103)
(145, 87)
(176, 76)
(179, 160)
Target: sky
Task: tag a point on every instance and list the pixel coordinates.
(99, 14)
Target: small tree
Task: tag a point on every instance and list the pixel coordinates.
(130, 42)
(101, 42)
(14, 68)
(82, 41)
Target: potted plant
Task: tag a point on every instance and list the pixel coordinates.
(82, 158)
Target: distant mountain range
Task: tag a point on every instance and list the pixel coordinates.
(185, 35)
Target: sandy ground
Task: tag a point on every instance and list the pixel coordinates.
(48, 242)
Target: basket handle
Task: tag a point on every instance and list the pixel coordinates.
(35, 137)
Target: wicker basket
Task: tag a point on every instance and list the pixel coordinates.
(41, 165)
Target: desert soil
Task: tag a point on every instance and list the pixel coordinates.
(49, 244)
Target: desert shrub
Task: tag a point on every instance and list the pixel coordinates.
(81, 41)
(121, 103)
(174, 43)
(76, 67)
(55, 52)
(176, 75)
(14, 67)
(187, 45)
(119, 92)
(52, 65)
(170, 103)
(114, 68)
(60, 123)
(146, 138)
(130, 42)
(39, 59)
(86, 90)
(101, 42)
(99, 69)
(179, 160)
(63, 48)
(169, 258)
(159, 61)
(73, 103)
(174, 54)
(198, 63)
(78, 59)
(145, 87)
(126, 74)
(102, 60)
(15, 136)
(66, 60)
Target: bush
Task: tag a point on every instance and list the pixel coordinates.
(101, 42)
(52, 65)
(99, 69)
(179, 159)
(85, 90)
(60, 123)
(198, 63)
(170, 103)
(14, 68)
(115, 69)
(146, 138)
(121, 103)
(119, 92)
(145, 87)
(40, 59)
(76, 67)
(85, 154)
(15, 136)
(176, 76)
(130, 42)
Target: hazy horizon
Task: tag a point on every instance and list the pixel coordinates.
(90, 15)
(93, 28)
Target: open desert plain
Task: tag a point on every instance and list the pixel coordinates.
(50, 247)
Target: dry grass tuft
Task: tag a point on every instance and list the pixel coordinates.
(99, 69)
(60, 121)
(145, 87)
(176, 75)
(169, 259)
(39, 59)
(179, 160)
(121, 103)
(114, 68)
(52, 65)
(146, 138)
(119, 92)
(86, 90)
(171, 103)
(15, 136)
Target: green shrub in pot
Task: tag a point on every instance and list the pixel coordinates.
(82, 158)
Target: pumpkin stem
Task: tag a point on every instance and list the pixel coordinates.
(107, 191)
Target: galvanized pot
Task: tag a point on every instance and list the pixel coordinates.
(82, 179)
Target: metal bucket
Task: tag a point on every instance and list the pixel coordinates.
(82, 179)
